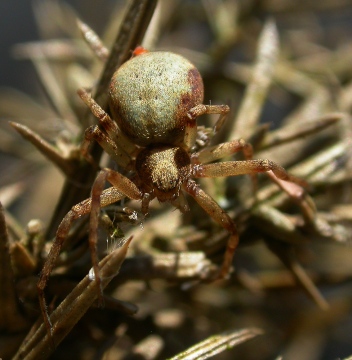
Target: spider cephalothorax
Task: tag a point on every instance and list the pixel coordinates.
(162, 170)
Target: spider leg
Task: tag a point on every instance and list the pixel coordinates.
(191, 127)
(202, 109)
(128, 188)
(93, 133)
(108, 124)
(246, 167)
(108, 196)
(220, 216)
(122, 187)
(190, 133)
(212, 153)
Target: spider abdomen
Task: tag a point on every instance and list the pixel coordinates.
(151, 94)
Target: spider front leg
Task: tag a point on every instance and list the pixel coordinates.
(246, 167)
(119, 155)
(212, 153)
(108, 196)
(191, 127)
(108, 124)
(220, 216)
(127, 188)
(122, 187)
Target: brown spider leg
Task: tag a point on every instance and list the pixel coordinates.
(202, 109)
(246, 167)
(146, 199)
(220, 216)
(123, 184)
(212, 153)
(191, 126)
(128, 188)
(190, 133)
(108, 197)
(107, 123)
(93, 133)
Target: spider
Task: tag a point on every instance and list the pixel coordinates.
(155, 99)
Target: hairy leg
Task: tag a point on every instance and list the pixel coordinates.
(212, 153)
(202, 109)
(191, 127)
(246, 167)
(93, 133)
(220, 216)
(122, 187)
(108, 124)
(107, 197)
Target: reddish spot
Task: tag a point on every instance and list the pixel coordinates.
(139, 50)
(186, 100)
(197, 87)
(186, 103)
(190, 99)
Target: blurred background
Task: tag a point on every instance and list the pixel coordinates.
(312, 79)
